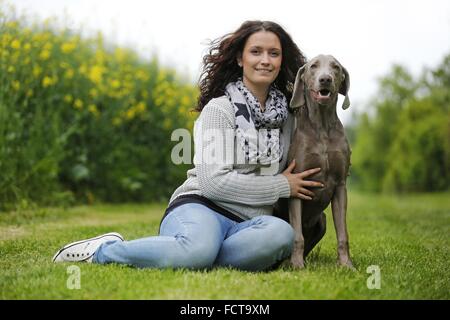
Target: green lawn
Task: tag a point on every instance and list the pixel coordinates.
(407, 237)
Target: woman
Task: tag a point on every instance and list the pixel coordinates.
(222, 214)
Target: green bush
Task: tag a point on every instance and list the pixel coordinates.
(85, 120)
(416, 160)
(404, 145)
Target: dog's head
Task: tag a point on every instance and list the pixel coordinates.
(323, 77)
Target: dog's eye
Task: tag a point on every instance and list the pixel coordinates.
(336, 67)
(313, 66)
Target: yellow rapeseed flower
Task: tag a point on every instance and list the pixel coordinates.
(15, 44)
(11, 69)
(47, 81)
(130, 113)
(68, 98)
(16, 85)
(37, 71)
(27, 47)
(140, 107)
(115, 84)
(96, 74)
(44, 55)
(48, 45)
(68, 47)
(78, 104)
(171, 92)
(185, 101)
(30, 93)
(92, 108)
(36, 38)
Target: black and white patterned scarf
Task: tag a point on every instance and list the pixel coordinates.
(258, 132)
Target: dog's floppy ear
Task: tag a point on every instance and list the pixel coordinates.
(345, 86)
(298, 96)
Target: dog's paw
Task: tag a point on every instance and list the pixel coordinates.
(347, 263)
(297, 263)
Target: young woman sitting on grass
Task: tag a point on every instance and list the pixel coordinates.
(222, 214)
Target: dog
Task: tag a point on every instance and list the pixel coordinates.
(319, 141)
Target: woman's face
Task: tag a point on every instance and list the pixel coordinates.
(261, 59)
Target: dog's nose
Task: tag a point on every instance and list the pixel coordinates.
(325, 79)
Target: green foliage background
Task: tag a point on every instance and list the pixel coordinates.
(82, 120)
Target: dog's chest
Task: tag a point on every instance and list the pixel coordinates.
(329, 152)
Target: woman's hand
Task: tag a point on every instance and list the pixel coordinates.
(297, 183)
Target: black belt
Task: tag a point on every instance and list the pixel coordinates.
(195, 198)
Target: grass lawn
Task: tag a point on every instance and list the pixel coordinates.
(406, 237)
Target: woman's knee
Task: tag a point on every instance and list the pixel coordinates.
(279, 233)
(205, 254)
(198, 236)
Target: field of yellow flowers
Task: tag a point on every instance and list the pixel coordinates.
(84, 120)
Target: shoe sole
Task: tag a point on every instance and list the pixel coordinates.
(86, 240)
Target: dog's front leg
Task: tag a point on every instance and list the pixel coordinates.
(295, 217)
(339, 209)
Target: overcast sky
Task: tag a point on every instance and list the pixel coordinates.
(367, 37)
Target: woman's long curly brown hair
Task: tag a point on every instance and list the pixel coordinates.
(220, 64)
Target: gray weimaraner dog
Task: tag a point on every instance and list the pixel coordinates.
(319, 141)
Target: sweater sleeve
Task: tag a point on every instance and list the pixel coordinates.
(217, 179)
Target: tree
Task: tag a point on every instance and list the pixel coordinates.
(404, 145)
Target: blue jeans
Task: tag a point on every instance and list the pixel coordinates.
(196, 237)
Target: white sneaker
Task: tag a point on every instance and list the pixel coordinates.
(84, 250)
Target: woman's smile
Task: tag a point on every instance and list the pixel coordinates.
(264, 70)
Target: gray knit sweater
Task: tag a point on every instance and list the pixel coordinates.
(238, 188)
